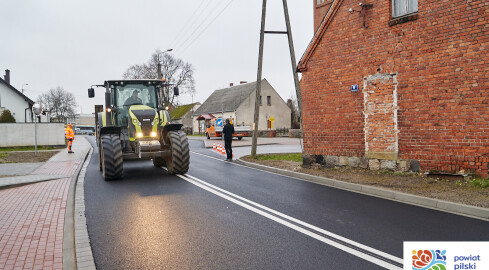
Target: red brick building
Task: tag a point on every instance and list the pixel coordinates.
(421, 68)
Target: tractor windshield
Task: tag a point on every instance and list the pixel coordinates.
(135, 94)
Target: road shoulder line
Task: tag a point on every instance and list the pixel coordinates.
(445, 206)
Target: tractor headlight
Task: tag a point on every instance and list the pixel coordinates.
(135, 121)
(139, 134)
(153, 134)
(156, 120)
(139, 123)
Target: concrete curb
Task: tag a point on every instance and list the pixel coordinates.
(26, 181)
(450, 207)
(69, 256)
(84, 255)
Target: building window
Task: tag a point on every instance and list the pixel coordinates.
(319, 2)
(260, 101)
(404, 7)
(269, 100)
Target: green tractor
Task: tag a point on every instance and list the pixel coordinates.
(133, 127)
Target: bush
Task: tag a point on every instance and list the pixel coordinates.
(480, 183)
(7, 117)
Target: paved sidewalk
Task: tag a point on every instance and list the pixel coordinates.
(15, 169)
(32, 217)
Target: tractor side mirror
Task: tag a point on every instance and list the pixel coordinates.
(91, 92)
(176, 91)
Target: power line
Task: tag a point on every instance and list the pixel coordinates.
(191, 19)
(202, 32)
(200, 25)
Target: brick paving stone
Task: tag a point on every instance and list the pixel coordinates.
(31, 222)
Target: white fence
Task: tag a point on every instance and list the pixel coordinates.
(22, 134)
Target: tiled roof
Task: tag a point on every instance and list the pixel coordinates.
(227, 99)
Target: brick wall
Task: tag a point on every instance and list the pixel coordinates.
(441, 62)
(320, 10)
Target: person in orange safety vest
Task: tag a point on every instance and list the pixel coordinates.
(70, 136)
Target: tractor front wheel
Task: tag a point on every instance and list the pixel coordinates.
(111, 152)
(177, 162)
(159, 162)
(99, 155)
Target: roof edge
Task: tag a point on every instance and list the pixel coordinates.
(17, 91)
(328, 18)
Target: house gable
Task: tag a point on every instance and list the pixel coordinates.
(318, 35)
(278, 109)
(2, 81)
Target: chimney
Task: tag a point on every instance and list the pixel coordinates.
(7, 76)
(231, 84)
(243, 82)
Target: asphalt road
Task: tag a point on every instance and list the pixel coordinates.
(225, 216)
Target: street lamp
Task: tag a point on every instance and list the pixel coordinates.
(23, 87)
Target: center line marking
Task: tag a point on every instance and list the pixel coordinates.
(282, 219)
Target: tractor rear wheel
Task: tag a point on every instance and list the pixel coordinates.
(112, 163)
(177, 162)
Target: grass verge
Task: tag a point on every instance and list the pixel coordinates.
(297, 157)
(29, 148)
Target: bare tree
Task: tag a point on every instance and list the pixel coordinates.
(292, 104)
(61, 103)
(177, 72)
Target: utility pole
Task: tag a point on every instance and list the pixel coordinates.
(293, 59)
(260, 64)
(258, 80)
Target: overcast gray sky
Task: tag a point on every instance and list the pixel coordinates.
(74, 44)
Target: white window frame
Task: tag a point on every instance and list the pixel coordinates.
(408, 6)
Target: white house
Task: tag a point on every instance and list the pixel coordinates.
(12, 99)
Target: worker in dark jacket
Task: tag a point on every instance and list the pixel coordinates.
(228, 132)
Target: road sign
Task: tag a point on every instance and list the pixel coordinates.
(219, 122)
(354, 88)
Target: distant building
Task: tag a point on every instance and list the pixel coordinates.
(15, 101)
(85, 119)
(183, 115)
(238, 102)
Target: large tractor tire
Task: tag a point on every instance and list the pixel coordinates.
(112, 163)
(177, 162)
(159, 162)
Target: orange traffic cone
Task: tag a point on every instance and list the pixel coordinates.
(223, 151)
(218, 148)
(214, 146)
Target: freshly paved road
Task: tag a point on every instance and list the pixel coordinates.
(152, 220)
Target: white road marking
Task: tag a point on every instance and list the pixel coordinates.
(281, 218)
